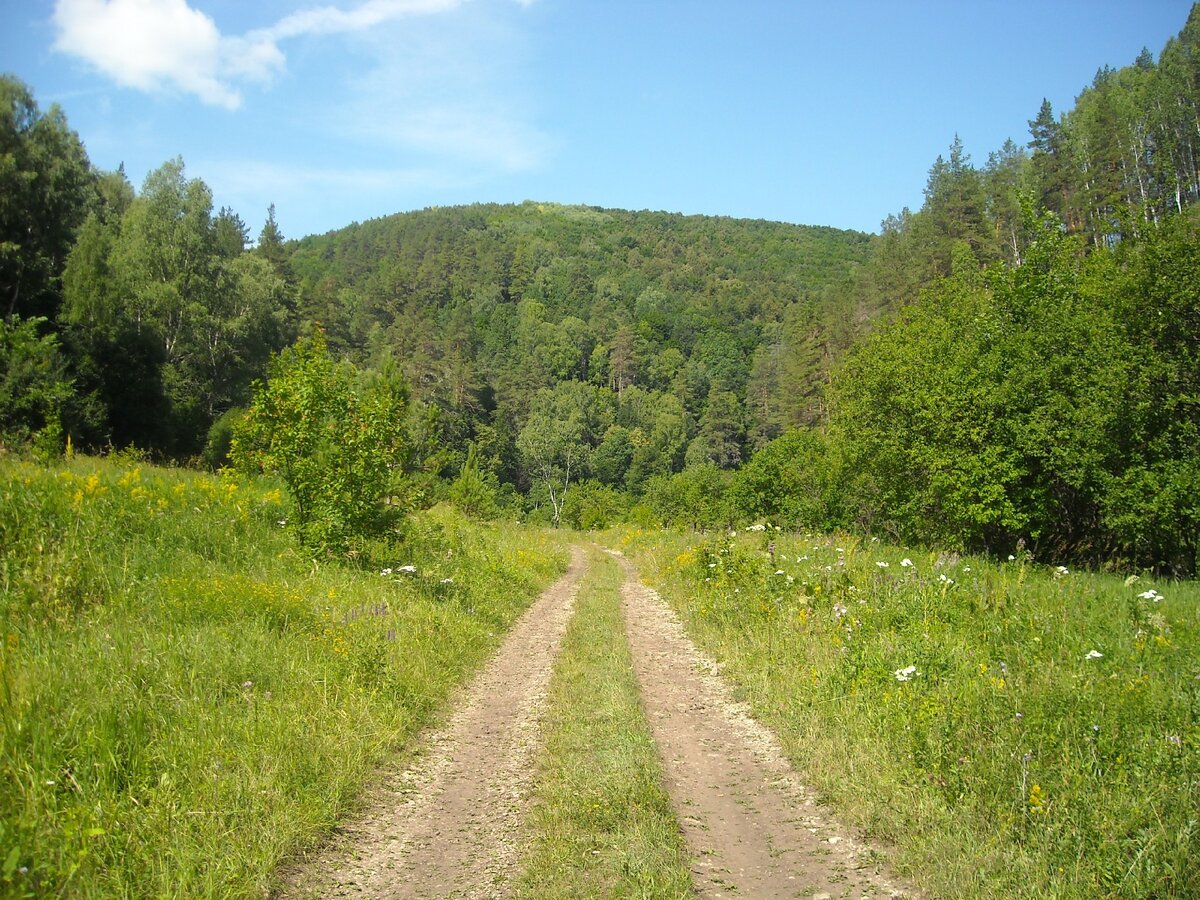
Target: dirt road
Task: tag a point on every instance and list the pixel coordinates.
(449, 825)
(452, 824)
(750, 826)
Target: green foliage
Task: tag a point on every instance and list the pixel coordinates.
(591, 506)
(790, 482)
(46, 190)
(554, 444)
(34, 384)
(694, 498)
(334, 444)
(1041, 405)
(220, 439)
(471, 493)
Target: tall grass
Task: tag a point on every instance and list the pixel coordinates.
(186, 699)
(1014, 731)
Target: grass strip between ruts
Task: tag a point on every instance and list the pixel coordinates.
(601, 821)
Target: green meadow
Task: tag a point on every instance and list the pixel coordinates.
(1011, 730)
(186, 699)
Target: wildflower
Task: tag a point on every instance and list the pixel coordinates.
(50, 784)
(1150, 595)
(1175, 740)
(944, 580)
(906, 673)
(282, 523)
(1095, 729)
(882, 564)
(1094, 654)
(1035, 798)
(386, 572)
(447, 581)
(1060, 571)
(839, 610)
(410, 569)
(247, 684)
(966, 568)
(756, 527)
(1011, 558)
(906, 563)
(1019, 716)
(780, 572)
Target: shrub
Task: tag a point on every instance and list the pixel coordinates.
(334, 444)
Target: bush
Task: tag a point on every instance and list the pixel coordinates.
(591, 505)
(334, 444)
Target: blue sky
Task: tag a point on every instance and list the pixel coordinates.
(825, 113)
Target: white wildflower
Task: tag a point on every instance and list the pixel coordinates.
(906, 673)
(409, 568)
(906, 563)
(1150, 595)
(1094, 654)
(882, 564)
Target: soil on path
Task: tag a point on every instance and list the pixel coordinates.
(449, 826)
(750, 825)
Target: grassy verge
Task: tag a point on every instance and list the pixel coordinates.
(186, 699)
(602, 821)
(1013, 731)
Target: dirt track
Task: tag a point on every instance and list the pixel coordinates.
(452, 824)
(749, 824)
(449, 825)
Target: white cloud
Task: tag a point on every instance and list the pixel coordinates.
(332, 20)
(146, 44)
(157, 44)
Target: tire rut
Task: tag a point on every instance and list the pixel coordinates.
(750, 825)
(450, 825)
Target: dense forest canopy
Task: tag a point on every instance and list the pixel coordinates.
(1011, 366)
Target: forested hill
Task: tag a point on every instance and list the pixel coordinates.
(483, 305)
(1013, 365)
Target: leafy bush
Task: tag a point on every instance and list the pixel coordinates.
(591, 505)
(334, 444)
(34, 384)
(695, 497)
